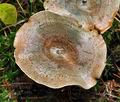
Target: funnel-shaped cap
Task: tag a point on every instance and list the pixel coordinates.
(53, 50)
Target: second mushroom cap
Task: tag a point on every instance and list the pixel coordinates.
(93, 14)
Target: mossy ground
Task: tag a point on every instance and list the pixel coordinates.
(16, 87)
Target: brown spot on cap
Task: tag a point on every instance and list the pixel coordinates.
(60, 49)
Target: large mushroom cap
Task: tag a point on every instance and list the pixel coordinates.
(98, 13)
(53, 50)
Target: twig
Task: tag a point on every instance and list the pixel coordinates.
(117, 19)
(113, 96)
(13, 25)
(34, 97)
(117, 67)
(1, 69)
(21, 7)
(17, 84)
(5, 33)
(118, 14)
(117, 30)
(116, 75)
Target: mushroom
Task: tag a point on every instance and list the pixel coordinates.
(57, 51)
(93, 14)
